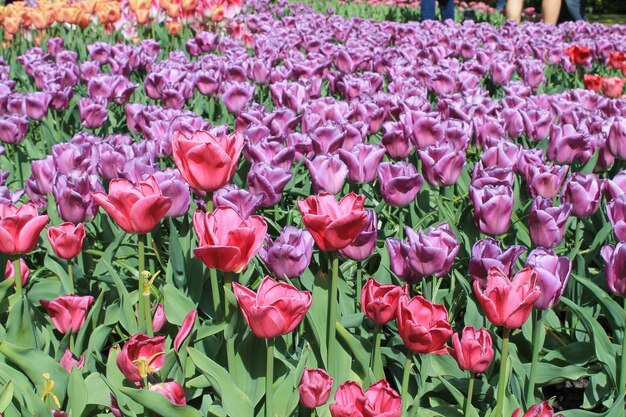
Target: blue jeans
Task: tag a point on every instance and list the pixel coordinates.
(576, 9)
(500, 4)
(446, 7)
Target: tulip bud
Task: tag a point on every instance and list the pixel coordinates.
(473, 351)
(399, 183)
(68, 312)
(546, 223)
(543, 409)
(442, 164)
(68, 361)
(66, 239)
(493, 207)
(615, 268)
(290, 254)
(185, 329)
(9, 271)
(172, 391)
(380, 302)
(552, 275)
(315, 387)
(583, 192)
(364, 245)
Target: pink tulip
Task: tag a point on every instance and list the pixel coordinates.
(315, 387)
(172, 391)
(66, 239)
(20, 228)
(473, 351)
(185, 329)
(9, 271)
(68, 361)
(68, 312)
(141, 356)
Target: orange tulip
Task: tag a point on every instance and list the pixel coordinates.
(189, 5)
(174, 27)
(12, 24)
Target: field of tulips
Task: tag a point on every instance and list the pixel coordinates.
(216, 209)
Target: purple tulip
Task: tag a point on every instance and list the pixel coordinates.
(493, 207)
(615, 267)
(528, 158)
(552, 275)
(364, 245)
(399, 183)
(290, 254)
(328, 138)
(208, 81)
(491, 176)
(362, 162)
(567, 144)
(398, 261)
(583, 192)
(537, 123)
(616, 139)
(545, 180)
(442, 164)
(271, 152)
(504, 154)
(73, 195)
(13, 128)
(426, 131)
(501, 71)
(616, 211)
(245, 203)
(546, 223)
(42, 174)
(487, 253)
(268, 181)
(615, 187)
(93, 112)
(395, 141)
(328, 173)
(237, 95)
(174, 187)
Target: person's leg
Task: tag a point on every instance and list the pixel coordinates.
(446, 7)
(574, 9)
(550, 10)
(514, 9)
(500, 4)
(427, 9)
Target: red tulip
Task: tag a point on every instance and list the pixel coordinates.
(207, 163)
(140, 356)
(9, 271)
(593, 82)
(20, 228)
(380, 400)
(172, 391)
(68, 361)
(185, 329)
(508, 303)
(275, 309)
(349, 399)
(135, 208)
(66, 239)
(225, 240)
(159, 319)
(333, 225)
(68, 312)
(577, 54)
(473, 352)
(543, 409)
(423, 326)
(380, 302)
(315, 387)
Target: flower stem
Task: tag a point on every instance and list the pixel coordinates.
(376, 359)
(622, 378)
(359, 284)
(17, 270)
(470, 393)
(229, 330)
(333, 303)
(408, 364)
(215, 293)
(503, 382)
(70, 274)
(147, 310)
(142, 265)
(538, 340)
(269, 380)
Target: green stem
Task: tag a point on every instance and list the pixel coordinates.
(359, 285)
(18, 164)
(538, 340)
(70, 274)
(72, 342)
(470, 393)
(147, 310)
(142, 262)
(333, 303)
(376, 358)
(502, 381)
(230, 326)
(622, 378)
(269, 380)
(17, 270)
(215, 292)
(408, 364)
(423, 373)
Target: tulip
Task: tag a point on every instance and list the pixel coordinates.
(73, 193)
(583, 192)
(616, 138)
(501, 72)
(442, 164)
(141, 356)
(508, 302)
(364, 245)
(315, 387)
(432, 253)
(567, 144)
(613, 86)
(93, 112)
(578, 54)
(176, 189)
(236, 95)
(207, 163)
(185, 329)
(68, 312)
(263, 179)
(399, 261)
(380, 302)
(9, 271)
(395, 141)
(66, 239)
(159, 319)
(245, 203)
(493, 207)
(273, 153)
(423, 326)
(399, 183)
(136, 209)
(543, 409)
(615, 267)
(290, 254)
(333, 225)
(226, 241)
(13, 128)
(545, 180)
(379, 400)
(276, 309)
(68, 362)
(546, 223)
(487, 254)
(593, 82)
(20, 228)
(328, 173)
(552, 275)
(172, 391)
(473, 351)
(349, 400)
(616, 211)
(362, 162)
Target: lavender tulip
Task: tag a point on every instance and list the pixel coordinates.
(290, 254)
(552, 275)
(442, 164)
(583, 192)
(433, 252)
(13, 128)
(175, 188)
(615, 186)
(236, 95)
(245, 203)
(546, 223)
(271, 152)
(615, 267)
(364, 245)
(362, 162)
(93, 112)
(493, 207)
(545, 180)
(487, 253)
(328, 173)
(73, 195)
(616, 211)
(268, 181)
(616, 139)
(399, 183)
(395, 141)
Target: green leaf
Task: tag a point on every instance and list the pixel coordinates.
(177, 306)
(286, 395)
(158, 403)
(78, 393)
(234, 401)
(6, 396)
